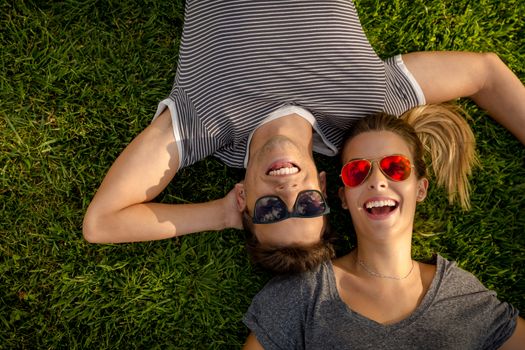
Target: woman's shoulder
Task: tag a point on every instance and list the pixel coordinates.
(277, 312)
(299, 282)
(455, 279)
(294, 290)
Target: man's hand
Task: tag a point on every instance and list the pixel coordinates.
(232, 209)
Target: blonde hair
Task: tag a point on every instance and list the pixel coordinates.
(449, 141)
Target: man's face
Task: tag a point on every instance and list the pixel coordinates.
(281, 168)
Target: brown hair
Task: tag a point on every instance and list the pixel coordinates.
(437, 131)
(289, 259)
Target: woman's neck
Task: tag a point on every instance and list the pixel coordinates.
(380, 281)
(386, 260)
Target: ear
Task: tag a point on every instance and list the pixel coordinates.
(240, 196)
(422, 189)
(322, 182)
(342, 197)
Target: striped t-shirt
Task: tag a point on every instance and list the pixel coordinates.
(240, 60)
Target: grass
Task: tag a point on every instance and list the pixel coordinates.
(79, 79)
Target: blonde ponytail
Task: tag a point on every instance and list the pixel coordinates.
(450, 142)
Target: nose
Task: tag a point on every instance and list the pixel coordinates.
(286, 186)
(376, 179)
(288, 193)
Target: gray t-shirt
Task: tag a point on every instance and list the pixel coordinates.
(305, 312)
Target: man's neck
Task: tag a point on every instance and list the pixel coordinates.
(293, 126)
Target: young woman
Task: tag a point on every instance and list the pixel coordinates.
(377, 296)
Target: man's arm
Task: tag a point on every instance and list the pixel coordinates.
(483, 77)
(121, 210)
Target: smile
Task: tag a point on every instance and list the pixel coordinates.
(380, 208)
(282, 168)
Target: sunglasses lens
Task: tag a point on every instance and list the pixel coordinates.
(355, 172)
(397, 168)
(310, 204)
(269, 209)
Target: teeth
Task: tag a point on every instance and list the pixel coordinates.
(284, 171)
(375, 204)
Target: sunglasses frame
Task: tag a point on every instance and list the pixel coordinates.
(377, 161)
(293, 213)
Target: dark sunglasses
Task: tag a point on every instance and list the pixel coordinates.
(271, 209)
(395, 167)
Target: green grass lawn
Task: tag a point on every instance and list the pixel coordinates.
(79, 79)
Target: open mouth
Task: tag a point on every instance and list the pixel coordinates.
(282, 168)
(380, 207)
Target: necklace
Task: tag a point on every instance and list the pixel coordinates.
(376, 274)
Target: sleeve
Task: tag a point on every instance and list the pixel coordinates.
(497, 319)
(402, 90)
(276, 315)
(503, 321)
(193, 141)
(170, 104)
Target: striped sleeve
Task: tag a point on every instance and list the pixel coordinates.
(402, 90)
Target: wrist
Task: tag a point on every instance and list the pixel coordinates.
(221, 208)
(230, 217)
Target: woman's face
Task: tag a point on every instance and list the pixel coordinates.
(380, 207)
